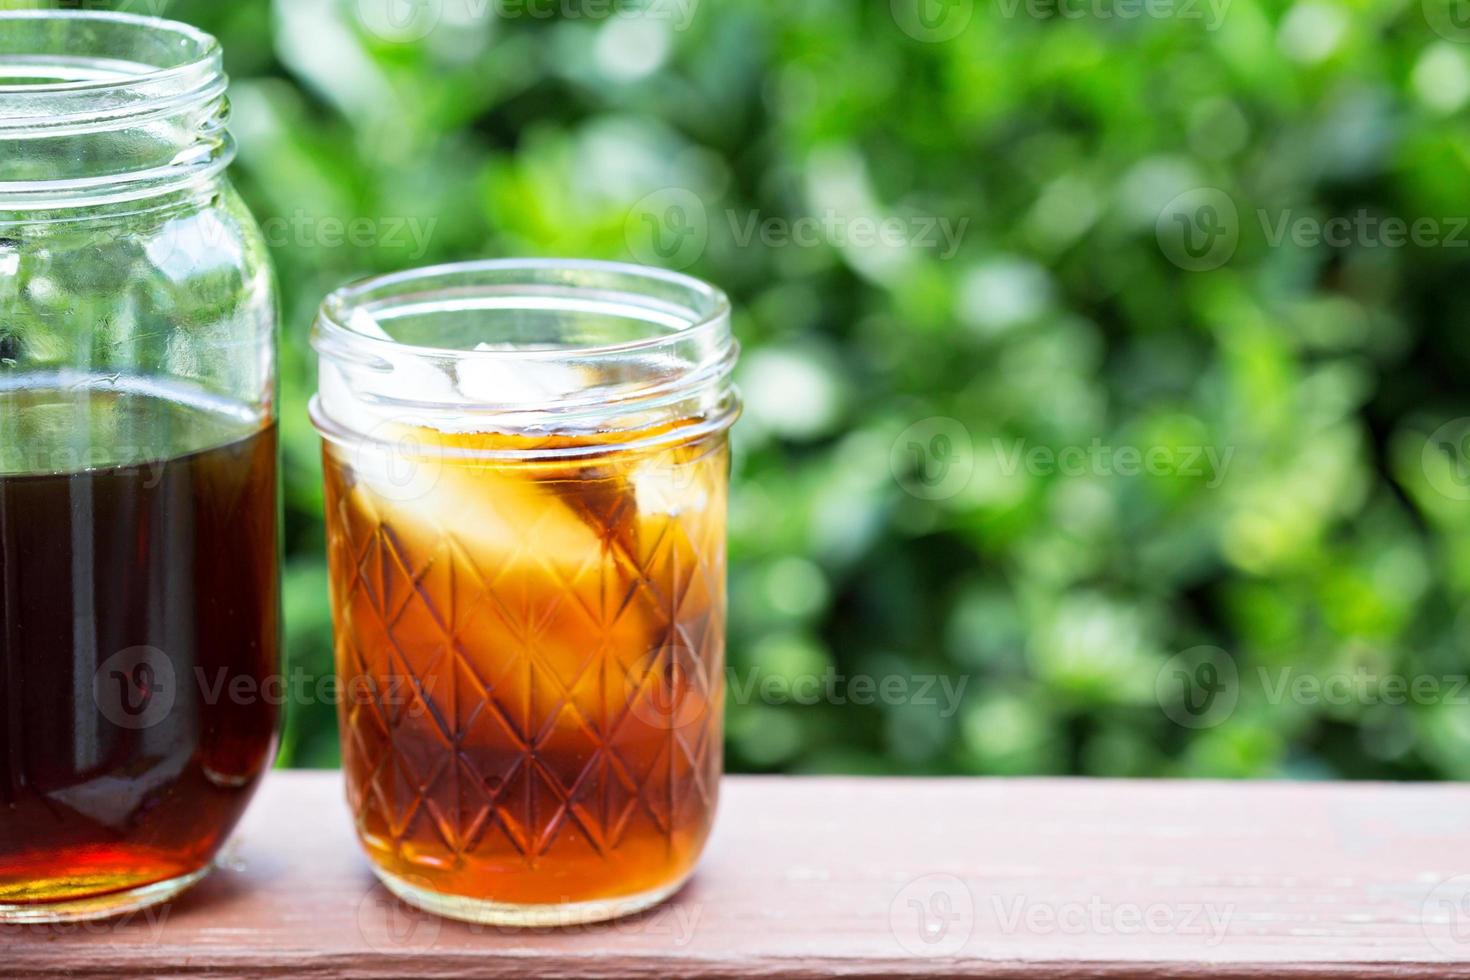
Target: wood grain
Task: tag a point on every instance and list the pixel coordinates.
(821, 877)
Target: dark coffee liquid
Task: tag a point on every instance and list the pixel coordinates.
(139, 630)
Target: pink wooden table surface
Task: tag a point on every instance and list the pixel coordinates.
(890, 877)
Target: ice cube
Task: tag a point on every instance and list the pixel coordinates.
(363, 401)
(423, 490)
(664, 484)
(516, 381)
(412, 378)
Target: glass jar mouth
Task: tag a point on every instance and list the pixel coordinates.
(99, 106)
(525, 346)
(688, 306)
(93, 68)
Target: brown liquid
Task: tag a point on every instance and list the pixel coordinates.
(131, 596)
(533, 654)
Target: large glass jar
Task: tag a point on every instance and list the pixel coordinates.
(526, 467)
(139, 622)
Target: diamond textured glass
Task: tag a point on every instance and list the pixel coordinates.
(526, 477)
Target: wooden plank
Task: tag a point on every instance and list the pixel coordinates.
(831, 876)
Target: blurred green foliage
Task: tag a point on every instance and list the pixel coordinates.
(1079, 314)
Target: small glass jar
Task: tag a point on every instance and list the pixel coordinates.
(138, 504)
(526, 474)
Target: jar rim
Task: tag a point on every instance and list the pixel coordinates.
(203, 50)
(341, 308)
(70, 75)
(575, 369)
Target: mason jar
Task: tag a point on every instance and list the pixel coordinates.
(526, 472)
(139, 580)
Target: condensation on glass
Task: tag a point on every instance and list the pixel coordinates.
(526, 477)
(138, 529)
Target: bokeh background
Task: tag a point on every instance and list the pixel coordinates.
(1105, 359)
